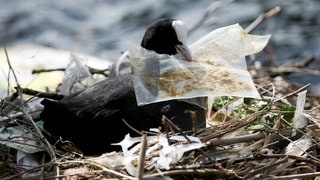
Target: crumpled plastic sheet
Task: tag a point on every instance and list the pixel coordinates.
(218, 68)
(18, 138)
(76, 71)
(168, 154)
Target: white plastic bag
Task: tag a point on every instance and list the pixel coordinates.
(218, 68)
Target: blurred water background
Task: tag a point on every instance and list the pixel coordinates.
(103, 28)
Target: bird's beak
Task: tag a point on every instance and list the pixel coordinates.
(184, 51)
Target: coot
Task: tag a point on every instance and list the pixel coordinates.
(93, 118)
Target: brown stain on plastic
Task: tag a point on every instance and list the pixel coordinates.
(168, 81)
(200, 79)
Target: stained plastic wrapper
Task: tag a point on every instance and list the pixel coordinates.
(218, 68)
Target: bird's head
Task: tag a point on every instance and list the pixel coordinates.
(167, 36)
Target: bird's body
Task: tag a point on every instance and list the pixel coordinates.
(93, 118)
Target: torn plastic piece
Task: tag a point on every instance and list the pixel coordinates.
(218, 68)
(168, 154)
(76, 70)
(17, 138)
(299, 119)
(299, 147)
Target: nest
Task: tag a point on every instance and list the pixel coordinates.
(246, 138)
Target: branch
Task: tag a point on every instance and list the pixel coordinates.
(142, 157)
(262, 17)
(213, 6)
(289, 70)
(104, 72)
(35, 93)
(238, 139)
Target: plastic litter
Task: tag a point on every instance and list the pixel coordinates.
(218, 68)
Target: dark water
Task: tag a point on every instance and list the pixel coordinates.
(104, 27)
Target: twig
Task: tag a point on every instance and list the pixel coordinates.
(289, 70)
(238, 139)
(193, 116)
(262, 17)
(231, 126)
(204, 172)
(298, 158)
(39, 167)
(260, 156)
(213, 6)
(132, 128)
(38, 71)
(260, 170)
(300, 63)
(294, 92)
(295, 176)
(102, 167)
(91, 70)
(39, 94)
(175, 127)
(11, 70)
(142, 156)
(41, 136)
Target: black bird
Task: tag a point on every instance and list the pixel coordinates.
(93, 118)
(167, 36)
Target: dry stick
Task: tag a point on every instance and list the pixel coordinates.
(175, 127)
(37, 71)
(298, 158)
(247, 120)
(102, 167)
(204, 172)
(12, 141)
(269, 166)
(238, 139)
(301, 63)
(11, 70)
(213, 6)
(91, 70)
(294, 67)
(132, 128)
(50, 149)
(260, 156)
(193, 117)
(15, 176)
(42, 137)
(287, 70)
(296, 176)
(142, 156)
(262, 17)
(42, 168)
(294, 92)
(35, 93)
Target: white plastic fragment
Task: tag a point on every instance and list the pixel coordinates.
(167, 155)
(299, 147)
(27, 161)
(218, 68)
(17, 138)
(126, 143)
(110, 160)
(299, 119)
(76, 70)
(172, 154)
(25, 58)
